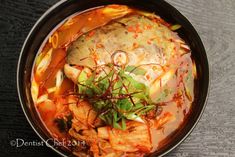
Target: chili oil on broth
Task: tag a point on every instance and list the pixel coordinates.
(134, 47)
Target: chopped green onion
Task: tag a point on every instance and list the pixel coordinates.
(115, 95)
(175, 27)
(135, 70)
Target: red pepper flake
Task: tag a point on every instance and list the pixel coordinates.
(148, 77)
(130, 29)
(156, 20)
(91, 33)
(138, 30)
(99, 45)
(135, 35)
(78, 67)
(135, 29)
(148, 27)
(135, 45)
(164, 23)
(177, 98)
(149, 41)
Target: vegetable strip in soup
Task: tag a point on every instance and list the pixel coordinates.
(116, 79)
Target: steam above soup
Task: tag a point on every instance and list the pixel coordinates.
(115, 78)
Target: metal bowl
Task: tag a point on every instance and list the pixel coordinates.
(60, 11)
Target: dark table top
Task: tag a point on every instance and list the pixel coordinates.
(213, 19)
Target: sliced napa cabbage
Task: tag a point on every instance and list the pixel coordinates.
(189, 85)
(163, 88)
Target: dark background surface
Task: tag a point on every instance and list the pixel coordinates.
(213, 19)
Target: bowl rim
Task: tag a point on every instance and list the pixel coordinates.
(18, 73)
(21, 99)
